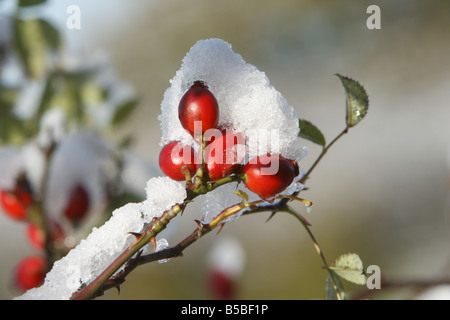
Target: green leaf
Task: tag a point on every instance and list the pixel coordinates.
(310, 132)
(125, 142)
(7, 99)
(33, 39)
(27, 3)
(124, 111)
(357, 100)
(30, 46)
(50, 34)
(47, 94)
(13, 131)
(349, 267)
(91, 93)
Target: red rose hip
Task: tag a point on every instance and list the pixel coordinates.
(173, 157)
(269, 175)
(30, 272)
(198, 104)
(224, 155)
(221, 285)
(37, 237)
(15, 203)
(78, 205)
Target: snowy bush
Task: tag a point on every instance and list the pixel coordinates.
(59, 171)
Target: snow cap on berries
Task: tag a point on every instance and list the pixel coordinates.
(248, 103)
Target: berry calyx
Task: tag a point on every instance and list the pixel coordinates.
(30, 272)
(224, 154)
(174, 158)
(199, 105)
(269, 175)
(15, 203)
(78, 205)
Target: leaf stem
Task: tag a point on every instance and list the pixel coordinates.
(336, 282)
(42, 219)
(324, 151)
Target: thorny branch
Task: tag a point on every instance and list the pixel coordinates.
(172, 252)
(132, 256)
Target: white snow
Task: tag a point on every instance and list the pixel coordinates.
(28, 100)
(52, 127)
(33, 162)
(10, 166)
(13, 161)
(162, 191)
(162, 244)
(227, 256)
(214, 202)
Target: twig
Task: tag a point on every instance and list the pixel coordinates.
(42, 220)
(335, 281)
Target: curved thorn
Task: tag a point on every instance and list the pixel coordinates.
(153, 241)
(271, 215)
(199, 223)
(138, 237)
(136, 234)
(220, 227)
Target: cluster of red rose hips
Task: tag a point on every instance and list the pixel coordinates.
(18, 204)
(198, 113)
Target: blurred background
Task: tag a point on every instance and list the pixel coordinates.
(382, 191)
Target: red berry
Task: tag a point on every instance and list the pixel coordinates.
(224, 155)
(36, 235)
(296, 169)
(30, 272)
(269, 175)
(221, 286)
(16, 203)
(173, 157)
(78, 204)
(198, 104)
